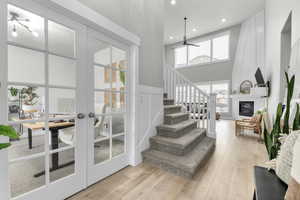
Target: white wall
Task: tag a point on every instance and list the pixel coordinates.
(250, 51)
(277, 12)
(145, 19)
(149, 115)
(208, 72)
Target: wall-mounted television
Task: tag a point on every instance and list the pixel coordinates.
(259, 78)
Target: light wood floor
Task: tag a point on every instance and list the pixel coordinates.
(227, 176)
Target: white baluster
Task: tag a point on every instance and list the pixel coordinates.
(198, 108)
(186, 90)
(212, 115)
(169, 83)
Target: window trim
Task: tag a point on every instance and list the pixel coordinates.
(203, 39)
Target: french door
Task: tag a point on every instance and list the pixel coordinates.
(64, 90)
(107, 102)
(44, 54)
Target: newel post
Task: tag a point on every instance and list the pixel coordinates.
(4, 182)
(212, 115)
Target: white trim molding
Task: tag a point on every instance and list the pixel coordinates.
(4, 183)
(149, 114)
(90, 18)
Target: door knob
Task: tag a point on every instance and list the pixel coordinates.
(80, 116)
(91, 115)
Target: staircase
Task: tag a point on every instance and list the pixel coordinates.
(181, 145)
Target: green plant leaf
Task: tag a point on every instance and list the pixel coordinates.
(9, 132)
(122, 77)
(287, 77)
(290, 91)
(296, 123)
(271, 140)
(4, 145)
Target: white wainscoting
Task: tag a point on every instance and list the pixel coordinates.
(149, 115)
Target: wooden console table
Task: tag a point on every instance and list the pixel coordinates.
(54, 128)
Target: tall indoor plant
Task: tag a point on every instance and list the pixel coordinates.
(290, 91)
(6, 132)
(296, 123)
(271, 139)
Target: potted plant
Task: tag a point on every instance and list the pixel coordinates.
(271, 139)
(6, 133)
(29, 98)
(13, 94)
(290, 91)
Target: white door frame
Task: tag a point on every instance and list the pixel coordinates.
(91, 19)
(96, 172)
(73, 182)
(88, 17)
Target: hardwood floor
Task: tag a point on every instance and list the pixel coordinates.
(227, 176)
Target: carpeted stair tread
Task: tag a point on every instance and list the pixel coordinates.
(176, 118)
(170, 109)
(181, 142)
(182, 165)
(176, 130)
(168, 102)
(174, 115)
(176, 127)
(171, 106)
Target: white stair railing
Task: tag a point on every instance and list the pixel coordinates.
(200, 106)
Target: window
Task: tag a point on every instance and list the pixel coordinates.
(221, 48)
(180, 56)
(201, 54)
(222, 90)
(209, 51)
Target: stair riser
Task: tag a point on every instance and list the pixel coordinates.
(168, 168)
(175, 150)
(168, 102)
(177, 134)
(176, 170)
(172, 110)
(206, 158)
(171, 120)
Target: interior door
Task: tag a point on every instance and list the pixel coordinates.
(107, 100)
(44, 98)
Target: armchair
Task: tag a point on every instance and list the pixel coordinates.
(253, 123)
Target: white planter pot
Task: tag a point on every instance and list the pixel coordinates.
(33, 107)
(4, 181)
(13, 98)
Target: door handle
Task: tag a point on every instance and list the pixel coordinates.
(91, 115)
(80, 116)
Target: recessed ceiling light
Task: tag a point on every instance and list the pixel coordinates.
(173, 2)
(171, 37)
(194, 30)
(224, 20)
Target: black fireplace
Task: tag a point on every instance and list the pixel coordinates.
(246, 108)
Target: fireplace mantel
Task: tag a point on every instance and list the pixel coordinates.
(246, 96)
(259, 103)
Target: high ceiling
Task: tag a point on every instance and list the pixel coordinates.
(206, 16)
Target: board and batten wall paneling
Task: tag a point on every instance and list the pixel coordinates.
(149, 115)
(277, 12)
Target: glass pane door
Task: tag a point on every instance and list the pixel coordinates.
(107, 126)
(42, 102)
